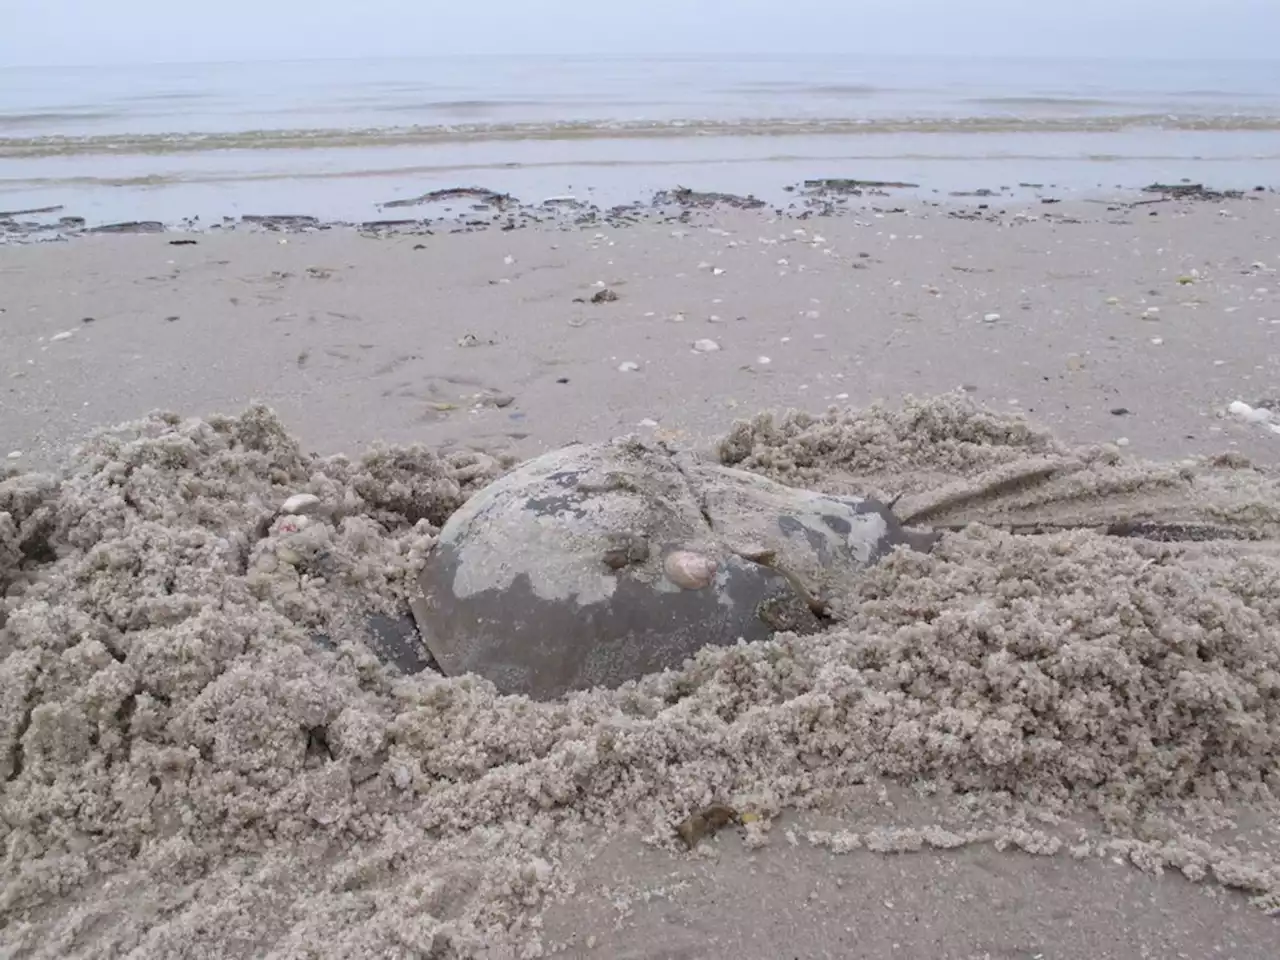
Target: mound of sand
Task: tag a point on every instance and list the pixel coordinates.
(203, 757)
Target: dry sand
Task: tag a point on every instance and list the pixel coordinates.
(1055, 745)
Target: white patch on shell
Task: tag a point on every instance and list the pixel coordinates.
(689, 570)
(498, 537)
(541, 548)
(868, 530)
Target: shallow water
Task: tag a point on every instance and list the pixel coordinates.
(504, 91)
(335, 137)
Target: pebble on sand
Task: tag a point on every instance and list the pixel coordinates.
(628, 366)
(64, 335)
(705, 346)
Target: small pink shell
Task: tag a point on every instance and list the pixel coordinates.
(689, 570)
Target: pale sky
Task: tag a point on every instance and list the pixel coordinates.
(140, 31)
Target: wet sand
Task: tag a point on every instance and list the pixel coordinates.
(1053, 745)
(477, 339)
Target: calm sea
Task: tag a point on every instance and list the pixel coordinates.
(336, 137)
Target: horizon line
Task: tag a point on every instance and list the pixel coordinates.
(671, 55)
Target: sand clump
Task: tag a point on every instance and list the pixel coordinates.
(204, 757)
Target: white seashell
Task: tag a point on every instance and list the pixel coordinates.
(689, 570)
(1242, 411)
(705, 346)
(300, 503)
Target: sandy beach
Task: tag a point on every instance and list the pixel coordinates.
(491, 339)
(1047, 743)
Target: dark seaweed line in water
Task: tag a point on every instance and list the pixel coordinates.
(160, 143)
(357, 173)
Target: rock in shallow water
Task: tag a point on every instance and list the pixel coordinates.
(595, 565)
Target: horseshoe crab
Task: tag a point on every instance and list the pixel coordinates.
(597, 564)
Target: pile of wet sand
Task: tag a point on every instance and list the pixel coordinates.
(204, 757)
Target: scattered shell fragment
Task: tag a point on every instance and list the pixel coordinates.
(64, 335)
(1249, 414)
(689, 570)
(991, 318)
(705, 346)
(628, 366)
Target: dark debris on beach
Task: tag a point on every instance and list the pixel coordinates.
(487, 209)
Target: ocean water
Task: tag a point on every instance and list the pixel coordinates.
(335, 138)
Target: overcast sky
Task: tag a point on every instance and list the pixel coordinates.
(136, 31)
